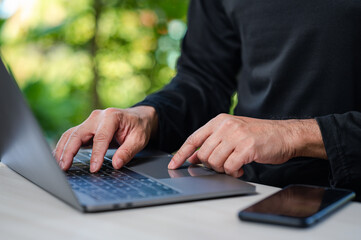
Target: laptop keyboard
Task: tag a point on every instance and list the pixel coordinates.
(110, 184)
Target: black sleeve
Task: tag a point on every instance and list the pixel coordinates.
(342, 138)
(205, 79)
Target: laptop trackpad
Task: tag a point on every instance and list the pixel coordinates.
(157, 167)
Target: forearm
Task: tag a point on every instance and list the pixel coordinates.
(304, 138)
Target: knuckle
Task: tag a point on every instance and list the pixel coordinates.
(228, 168)
(95, 113)
(201, 155)
(192, 140)
(128, 154)
(95, 152)
(229, 122)
(221, 116)
(96, 155)
(212, 161)
(110, 111)
(100, 137)
(68, 132)
(75, 133)
(240, 132)
(218, 166)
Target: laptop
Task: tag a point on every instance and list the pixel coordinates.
(144, 181)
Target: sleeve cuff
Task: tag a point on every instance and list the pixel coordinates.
(334, 145)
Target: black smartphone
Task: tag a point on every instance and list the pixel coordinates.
(297, 205)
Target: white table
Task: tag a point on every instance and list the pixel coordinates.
(28, 212)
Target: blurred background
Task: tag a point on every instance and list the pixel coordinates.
(70, 57)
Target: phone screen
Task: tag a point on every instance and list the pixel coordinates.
(296, 205)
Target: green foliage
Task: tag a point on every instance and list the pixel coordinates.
(70, 57)
(56, 113)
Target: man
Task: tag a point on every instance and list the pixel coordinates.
(296, 66)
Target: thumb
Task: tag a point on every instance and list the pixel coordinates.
(132, 144)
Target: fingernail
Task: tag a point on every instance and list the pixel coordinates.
(61, 164)
(93, 167)
(171, 164)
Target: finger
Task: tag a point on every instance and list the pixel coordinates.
(234, 163)
(78, 137)
(132, 144)
(190, 146)
(69, 150)
(194, 159)
(219, 156)
(59, 148)
(101, 140)
(240, 173)
(208, 147)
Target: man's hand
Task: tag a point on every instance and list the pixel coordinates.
(227, 142)
(131, 128)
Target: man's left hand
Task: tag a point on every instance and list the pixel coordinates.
(226, 143)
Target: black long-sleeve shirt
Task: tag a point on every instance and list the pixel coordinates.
(285, 59)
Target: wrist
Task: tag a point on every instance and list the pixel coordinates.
(305, 139)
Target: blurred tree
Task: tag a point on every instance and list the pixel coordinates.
(70, 57)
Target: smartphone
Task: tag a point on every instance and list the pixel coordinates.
(297, 205)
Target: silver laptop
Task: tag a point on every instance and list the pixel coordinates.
(144, 181)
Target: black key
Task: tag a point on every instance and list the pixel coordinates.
(109, 183)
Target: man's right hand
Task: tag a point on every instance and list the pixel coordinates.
(131, 128)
